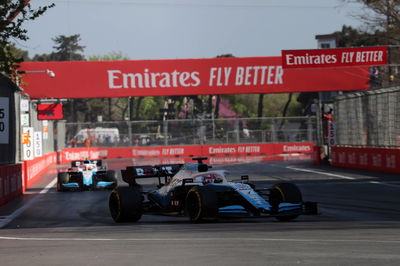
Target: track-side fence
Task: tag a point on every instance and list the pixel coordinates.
(191, 132)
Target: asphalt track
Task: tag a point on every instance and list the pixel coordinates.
(359, 224)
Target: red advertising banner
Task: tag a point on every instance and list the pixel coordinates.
(49, 111)
(331, 58)
(385, 160)
(225, 150)
(35, 168)
(95, 79)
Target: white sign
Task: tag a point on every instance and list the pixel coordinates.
(24, 105)
(45, 126)
(38, 143)
(4, 120)
(27, 143)
(331, 134)
(25, 120)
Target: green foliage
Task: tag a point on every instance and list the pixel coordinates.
(150, 107)
(246, 105)
(44, 57)
(112, 56)
(68, 48)
(351, 37)
(225, 55)
(13, 14)
(9, 58)
(95, 107)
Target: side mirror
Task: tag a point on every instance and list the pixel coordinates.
(244, 178)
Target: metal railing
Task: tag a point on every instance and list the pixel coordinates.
(191, 132)
(370, 118)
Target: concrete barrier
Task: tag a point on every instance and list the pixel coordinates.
(11, 182)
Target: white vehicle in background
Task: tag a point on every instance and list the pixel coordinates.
(99, 134)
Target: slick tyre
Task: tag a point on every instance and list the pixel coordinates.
(94, 183)
(62, 178)
(285, 192)
(82, 187)
(125, 204)
(112, 177)
(201, 203)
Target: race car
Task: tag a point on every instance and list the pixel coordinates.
(86, 175)
(193, 190)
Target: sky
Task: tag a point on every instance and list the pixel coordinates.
(175, 29)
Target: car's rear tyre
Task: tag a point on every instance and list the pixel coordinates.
(201, 203)
(62, 178)
(285, 192)
(125, 204)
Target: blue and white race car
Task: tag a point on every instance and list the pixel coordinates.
(86, 175)
(196, 191)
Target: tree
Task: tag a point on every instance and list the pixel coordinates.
(351, 37)
(383, 16)
(382, 21)
(13, 14)
(112, 56)
(260, 109)
(68, 48)
(44, 57)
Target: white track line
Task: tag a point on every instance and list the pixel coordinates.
(18, 212)
(340, 176)
(203, 239)
(319, 172)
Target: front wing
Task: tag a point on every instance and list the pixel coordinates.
(85, 181)
(255, 205)
(78, 186)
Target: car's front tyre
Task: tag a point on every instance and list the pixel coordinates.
(62, 178)
(201, 203)
(285, 192)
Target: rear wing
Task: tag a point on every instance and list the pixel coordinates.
(75, 163)
(78, 163)
(131, 173)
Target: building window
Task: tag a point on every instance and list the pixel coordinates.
(325, 45)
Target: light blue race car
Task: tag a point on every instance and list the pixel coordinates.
(195, 191)
(86, 175)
